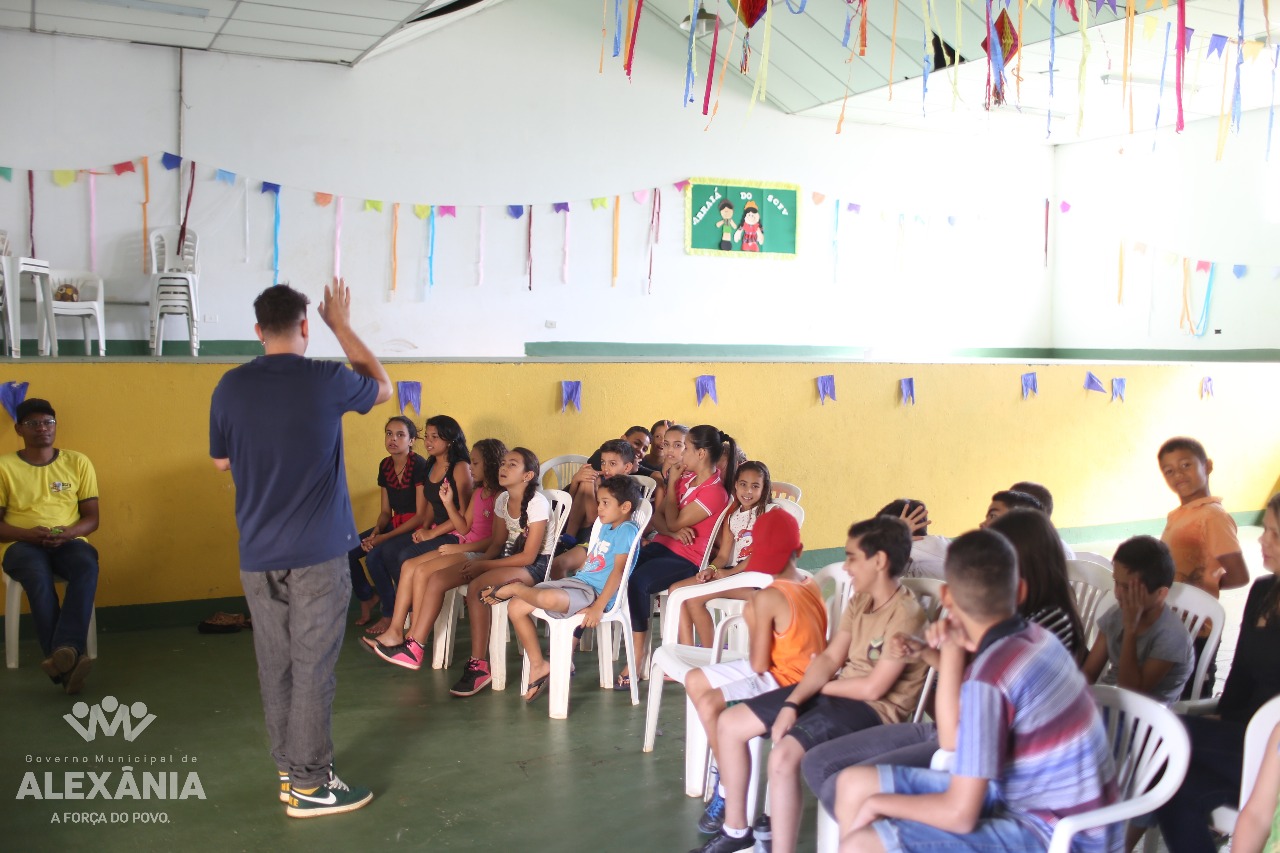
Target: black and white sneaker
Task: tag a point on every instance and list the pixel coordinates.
(721, 843)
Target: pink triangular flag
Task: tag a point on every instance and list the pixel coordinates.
(641, 196)
(680, 185)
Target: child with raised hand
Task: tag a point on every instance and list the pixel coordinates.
(673, 444)
(616, 457)
(1142, 645)
(927, 551)
(1030, 746)
(473, 532)
(751, 501)
(403, 509)
(592, 589)
(787, 624)
(853, 685)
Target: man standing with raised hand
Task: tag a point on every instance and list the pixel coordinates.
(276, 424)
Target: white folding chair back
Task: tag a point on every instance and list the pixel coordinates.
(175, 277)
(12, 612)
(834, 576)
(779, 489)
(1090, 557)
(167, 257)
(564, 467)
(9, 308)
(648, 485)
(1146, 738)
(1193, 606)
(91, 306)
(928, 591)
(1261, 725)
(1089, 583)
(788, 505)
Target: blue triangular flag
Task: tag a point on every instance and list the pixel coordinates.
(11, 395)
(515, 211)
(826, 388)
(1117, 389)
(410, 393)
(571, 394)
(225, 177)
(705, 386)
(1240, 270)
(1030, 385)
(1206, 387)
(1093, 383)
(170, 161)
(268, 187)
(907, 387)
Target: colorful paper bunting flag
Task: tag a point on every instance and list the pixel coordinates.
(1203, 266)
(64, 177)
(422, 211)
(225, 177)
(1030, 385)
(515, 211)
(268, 187)
(11, 395)
(121, 168)
(1149, 24)
(819, 198)
(907, 390)
(1064, 206)
(826, 388)
(705, 386)
(1093, 383)
(854, 207)
(1252, 49)
(323, 199)
(597, 203)
(951, 220)
(373, 204)
(680, 185)
(641, 196)
(560, 207)
(1206, 387)
(6, 172)
(409, 394)
(170, 161)
(570, 394)
(447, 210)
(1117, 389)
(1217, 42)
(1239, 270)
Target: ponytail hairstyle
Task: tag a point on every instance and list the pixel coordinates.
(717, 443)
(491, 450)
(531, 465)
(451, 431)
(766, 498)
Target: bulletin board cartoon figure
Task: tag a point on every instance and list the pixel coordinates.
(750, 236)
(726, 226)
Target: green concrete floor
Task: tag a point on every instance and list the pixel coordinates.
(485, 773)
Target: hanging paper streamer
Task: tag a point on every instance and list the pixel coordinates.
(1030, 385)
(528, 247)
(93, 222)
(1053, 34)
(64, 177)
(570, 394)
(907, 390)
(1203, 325)
(1085, 49)
(170, 161)
(146, 197)
(373, 204)
(515, 211)
(186, 211)
(1271, 112)
(6, 172)
(480, 251)
(1163, 64)
(1117, 389)
(689, 73)
(1235, 97)
(1093, 383)
(617, 27)
(224, 177)
(724, 67)
(31, 215)
(705, 386)
(431, 248)
(1239, 270)
(395, 239)
(563, 207)
(758, 91)
(274, 189)
(11, 395)
(1206, 387)
(409, 394)
(826, 388)
(1178, 60)
(635, 30)
(655, 226)
(617, 221)
(711, 66)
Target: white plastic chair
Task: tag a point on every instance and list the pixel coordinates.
(788, 505)
(1145, 737)
(90, 307)
(648, 486)
(928, 592)
(564, 467)
(9, 310)
(1090, 557)
(560, 647)
(16, 271)
(658, 602)
(1263, 722)
(779, 489)
(1089, 583)
(175, 278)
(12, 610)
(1193, 606)
(841, 588)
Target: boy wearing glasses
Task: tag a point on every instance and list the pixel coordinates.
(48, 504)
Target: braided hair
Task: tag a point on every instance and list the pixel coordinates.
(491, 451)
(531, 464)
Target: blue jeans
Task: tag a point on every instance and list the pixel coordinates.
(900, 744)
(299, 618)
(36, 567)
(996, 830)
(1212, 780)
(657, 568)
(360, 586)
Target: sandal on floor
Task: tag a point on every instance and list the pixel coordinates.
(371, 644)
(489, 594)
(623, 683)
(538, 687)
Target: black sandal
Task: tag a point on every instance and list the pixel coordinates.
(489, 597)
(538, 687)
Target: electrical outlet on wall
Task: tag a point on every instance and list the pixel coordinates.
(209, 318)
(550, 324)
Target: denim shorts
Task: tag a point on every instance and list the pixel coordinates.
(996, 831)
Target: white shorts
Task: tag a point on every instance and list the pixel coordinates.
(736, 680)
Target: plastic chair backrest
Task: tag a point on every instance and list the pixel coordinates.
(790, 506)
(564, 468)
(4, 243)
(1090, 557)
(1193, 606)
(561, 503)
(647, 484)
(671, 609)
(841, 586)
(1089, 582)
(1151, 750)
(641, 518)
(1261, 725)
(928, 591)
(88, 284)
(164, 254)
(779, 489)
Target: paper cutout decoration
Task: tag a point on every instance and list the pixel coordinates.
(570, 394)
(422, 211)
(1217, 43)
(705, 386)
(680, 185)
(560, 207)
(641, 196)
(750, 11)
(323, 199)
(6, 172)
(1203, 266)
(826, 388)
(1030, 385)
(819, 198)
(1239, 270)
(447, 210)
(223, 176)
(1065, 206)
(1093, 383)
(907, 389)
(268, 187)
(854, 207)
(515, 211)
(409, 393)
(121, 168)
(11, 395)
(170, 161)
(1206, 387)
(64, 177)
(1117, 389)
(373, 204)
(597, 203)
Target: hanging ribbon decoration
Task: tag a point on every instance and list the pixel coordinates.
(655, 221)
(146, 199)
(31, 213)
(617, 220)
(626, 36)
(758, 91)
(337, 239)
(844, 102)
(186, 211)
(1271, 113)
(711, 66)
(1235, 98)
(1085, 49)
(635, 30)
(724, 67)
(528, 244)
(927, 58)
(93, 221)
(1203, 325)
(689, 73)
(245, 199)
(431, 248)
(1184, 319)
(1048, 111)
(1164, 63)
(395, 240)
(893, 46)
(563, 207)
(275, 236)
(604, 31)
(1178, 61)
(1017, 71)
(617, 27)
(1223, 123)
(1126, 94)
(480, 251)
(1120, 288)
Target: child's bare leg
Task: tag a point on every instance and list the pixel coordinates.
(709, 703)
(524, 601)
(735, 728)
(480, 613)
(569, 561)
(853, 786)
(582, 512)
(410, 579)
(784, 793)
(685, 634)
(430, 598)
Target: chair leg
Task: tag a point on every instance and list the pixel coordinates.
(91, 641)
(603, 644)
(651, 708)
(446, 624)
(695, 750)
(13, 606)
(561, 656)
(102, 333)
(828, 831)
(498, 646)
(630, 640)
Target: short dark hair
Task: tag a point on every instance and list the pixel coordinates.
(887, 534)
(1014, 499)
(895, 508)
(1149, 559)
(1182, 442)
(279, 308)
(30, 407)
(635, 429)
(726, 203)
(621, 447)
(1036, 491)
(982, 574)
(623, 488)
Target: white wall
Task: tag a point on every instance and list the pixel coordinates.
(1180, 202)
(503, 108)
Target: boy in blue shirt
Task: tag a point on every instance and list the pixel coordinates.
(591, 590)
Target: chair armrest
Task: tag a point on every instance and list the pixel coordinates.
(1195, 707)
(717, 640)
(671, 614)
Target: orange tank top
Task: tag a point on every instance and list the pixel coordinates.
(805, 637)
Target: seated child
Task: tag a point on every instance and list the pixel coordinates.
(751, 501)
(1002, 502)
(1045, 497)
(1201, 535)
(615, 457)
(787, 623)
(653, 459)
(1030, 746)
(854, 684)
(1142, 645)
(1259, 820)
(592, 589)
(927, 552)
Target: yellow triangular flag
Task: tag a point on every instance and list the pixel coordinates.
(1252, 49)
(422, 211)
(370, 204)
(597, 203)
(64, 177)
(1149, 26)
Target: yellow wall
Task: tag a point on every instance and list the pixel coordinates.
(169, 534)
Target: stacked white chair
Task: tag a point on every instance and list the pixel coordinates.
(14, 271)
(175, 279)
(90, 307)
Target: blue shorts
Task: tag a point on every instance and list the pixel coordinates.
(996, 830)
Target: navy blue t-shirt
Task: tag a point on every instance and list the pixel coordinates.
(279, 420)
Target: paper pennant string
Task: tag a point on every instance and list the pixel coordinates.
(1149, 24)
(705, 386)
(641, 196)
(6, 172)
(11, 395)
(421, 210)
(907, 390)
(1203, 266)
(515, 211)
(1239, 270)
(1206, 387)
(409, 393)
(373, 204)
(395, 239)
(1252, 49)
(854, 207)
(1030, 385)
(323, 199)
(337, 239)
(1064, 206)
(64, 177)
(560, 207)
(170, 161)
(1217, 43)
(225, 177)
(571, 394)
(818, 198)
(597, 203)
(680, 185)
(268, 187)
(447, 210)
(1117, 389)
(121, 168)
(826, 388)
(1093, 383)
